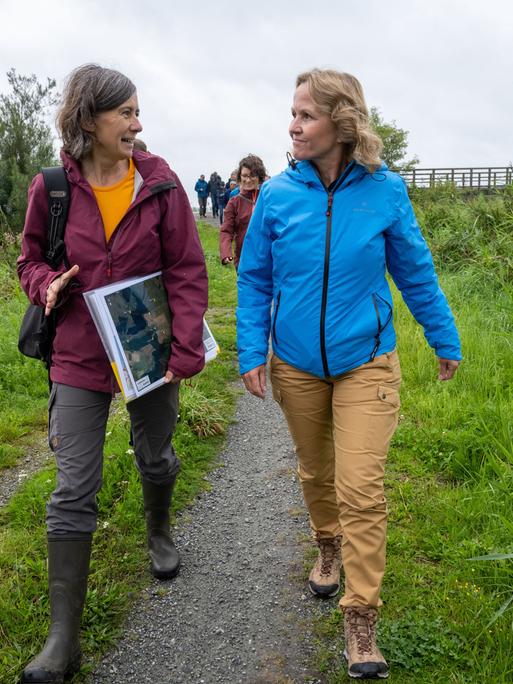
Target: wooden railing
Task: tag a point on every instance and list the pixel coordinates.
(479, 178)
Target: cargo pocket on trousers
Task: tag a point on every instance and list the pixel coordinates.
(382, 421)
(389, 395)
(53, 433)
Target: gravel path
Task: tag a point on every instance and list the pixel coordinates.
(36, 458)
(239, 610)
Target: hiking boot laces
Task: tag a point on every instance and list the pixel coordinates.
(329, 549)
(362, 624)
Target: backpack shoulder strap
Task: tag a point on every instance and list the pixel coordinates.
(57, 192)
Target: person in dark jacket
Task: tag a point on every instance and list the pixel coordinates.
(129, 216)
(229, 187)
(221, 200)
(251, 173)
(201, 188)
(213, 191)
(312, 276)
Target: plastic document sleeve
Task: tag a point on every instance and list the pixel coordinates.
(134, 323)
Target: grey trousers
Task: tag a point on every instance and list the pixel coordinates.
(77, 425)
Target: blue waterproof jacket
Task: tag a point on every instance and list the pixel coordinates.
(201, 188)
(320, 256)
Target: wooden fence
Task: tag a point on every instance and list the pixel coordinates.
(478, 178)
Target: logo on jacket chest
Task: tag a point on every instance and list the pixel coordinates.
(364, 208)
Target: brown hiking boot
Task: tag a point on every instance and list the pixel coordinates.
(364, 659)
(324, 580)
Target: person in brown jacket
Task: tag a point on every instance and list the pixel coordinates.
(250, 175)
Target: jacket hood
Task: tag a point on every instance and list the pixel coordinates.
(154, 170)
(305, 172)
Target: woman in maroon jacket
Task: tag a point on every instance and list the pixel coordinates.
(251, 174)
(129, 216)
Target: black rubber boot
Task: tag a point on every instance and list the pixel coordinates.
(68, 568)
(165, 561)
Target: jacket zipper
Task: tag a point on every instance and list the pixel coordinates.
(324, 300)
(278, 298)
(325, 286)
(109, 249)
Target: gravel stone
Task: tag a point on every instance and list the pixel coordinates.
(239, 611)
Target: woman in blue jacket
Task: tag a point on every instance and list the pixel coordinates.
(323, 235)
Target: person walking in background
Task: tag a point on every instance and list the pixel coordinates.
(221, 203)
(232, 185)
(213, 191)
(128, 216)
(251, 173)
(234, 189)
(229, 186)
(201, 188)
(322, 237)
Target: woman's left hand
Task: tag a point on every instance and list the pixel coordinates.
(171, 378)
(447, 368)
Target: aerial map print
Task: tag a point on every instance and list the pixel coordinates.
(142, 319)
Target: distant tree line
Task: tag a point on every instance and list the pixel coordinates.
(26, 143)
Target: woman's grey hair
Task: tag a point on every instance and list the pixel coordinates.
(90, 90)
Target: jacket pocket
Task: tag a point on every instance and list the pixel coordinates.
(381, 320)
(275, 316)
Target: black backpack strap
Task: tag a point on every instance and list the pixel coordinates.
(57, 191)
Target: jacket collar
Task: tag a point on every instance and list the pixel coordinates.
(305, 172)
(151, 171)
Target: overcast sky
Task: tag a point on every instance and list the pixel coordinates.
(215, 79)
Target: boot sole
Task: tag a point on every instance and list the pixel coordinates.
(70, 671)
(358, 675)
(323, 595)
(160, 575)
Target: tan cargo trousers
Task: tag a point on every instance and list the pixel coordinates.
(341, 428)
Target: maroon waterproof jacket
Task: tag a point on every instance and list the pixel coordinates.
(158, 232)
(235, 225)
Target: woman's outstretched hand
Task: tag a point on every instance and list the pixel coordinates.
(447, 368)
(255, 381)
(52, 293)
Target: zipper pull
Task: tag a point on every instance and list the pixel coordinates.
(109, 265)
(330, 204)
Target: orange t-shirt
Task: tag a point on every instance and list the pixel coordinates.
(114, 200)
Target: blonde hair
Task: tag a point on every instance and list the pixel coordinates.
(340, 95)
